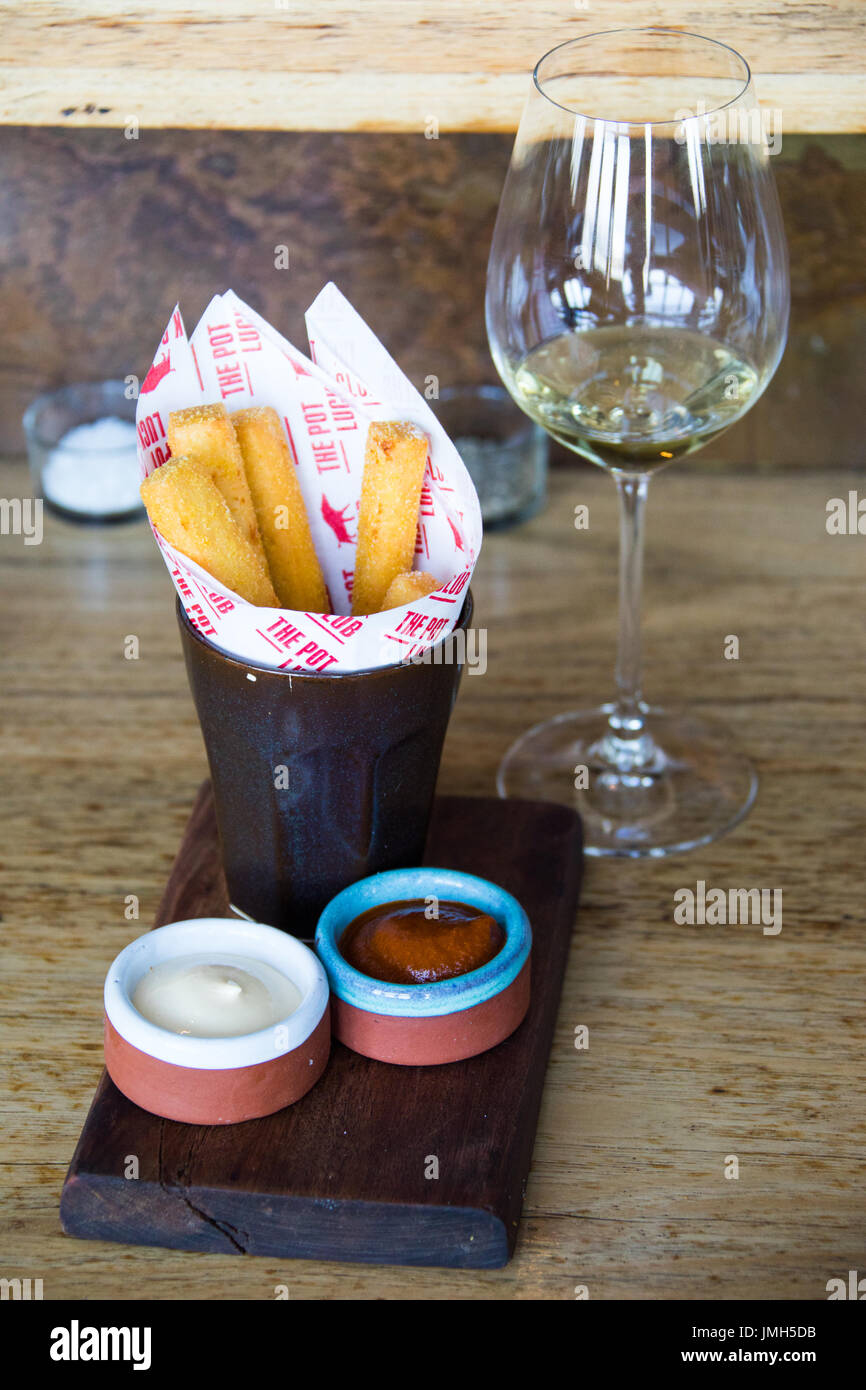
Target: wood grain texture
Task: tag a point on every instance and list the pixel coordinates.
(704, 1041)
(338, 65)
(341, 1175)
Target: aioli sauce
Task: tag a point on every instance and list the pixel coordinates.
(215, 996)
(399, 942)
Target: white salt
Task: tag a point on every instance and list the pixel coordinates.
(94, 469)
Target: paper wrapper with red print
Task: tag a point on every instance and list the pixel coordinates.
(326, 403)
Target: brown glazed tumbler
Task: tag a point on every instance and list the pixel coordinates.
(319, 780)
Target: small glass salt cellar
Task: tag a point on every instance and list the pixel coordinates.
(504, 451)
(81, 444)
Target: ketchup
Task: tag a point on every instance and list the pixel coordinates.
(405, 944)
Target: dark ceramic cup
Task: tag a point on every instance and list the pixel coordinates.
(319, 780)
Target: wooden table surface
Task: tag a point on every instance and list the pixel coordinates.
(392, 65)
(705, 1042)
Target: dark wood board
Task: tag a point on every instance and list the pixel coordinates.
(341, 1175)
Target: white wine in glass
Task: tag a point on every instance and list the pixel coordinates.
(637, 306)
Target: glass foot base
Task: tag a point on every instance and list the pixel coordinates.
(682, 783)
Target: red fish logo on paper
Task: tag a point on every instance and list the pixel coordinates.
(458, 539)
(337, 521)
(156, 373)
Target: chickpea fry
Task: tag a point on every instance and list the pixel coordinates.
(190, 512)
(282, 516)
(406, 588)
(205, 433)
(394, 463)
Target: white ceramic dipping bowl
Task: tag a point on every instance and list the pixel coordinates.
(216, 1081)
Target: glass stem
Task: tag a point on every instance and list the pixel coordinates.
(627, 719)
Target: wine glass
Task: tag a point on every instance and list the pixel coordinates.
(637, 306)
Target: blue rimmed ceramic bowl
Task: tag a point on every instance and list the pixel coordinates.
(425, 1025)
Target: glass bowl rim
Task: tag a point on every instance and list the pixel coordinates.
(641, 29)
(61, 395)
(497, 394)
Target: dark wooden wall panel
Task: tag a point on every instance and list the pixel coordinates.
(99, 235)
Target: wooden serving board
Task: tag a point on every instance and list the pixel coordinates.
(342, 1174)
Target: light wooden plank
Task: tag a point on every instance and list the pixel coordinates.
(374, 102)
(335, 65)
